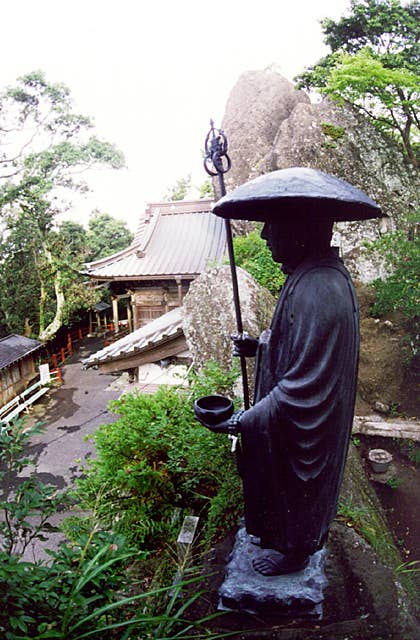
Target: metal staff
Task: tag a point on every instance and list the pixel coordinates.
(217, 163)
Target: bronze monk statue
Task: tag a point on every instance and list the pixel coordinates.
(294, 439)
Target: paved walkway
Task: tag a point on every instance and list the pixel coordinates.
(69, 413)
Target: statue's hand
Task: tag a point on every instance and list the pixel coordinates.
(244, 345)
(220, 427)
(230, 426)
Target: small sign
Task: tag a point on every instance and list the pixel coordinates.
(44, 374)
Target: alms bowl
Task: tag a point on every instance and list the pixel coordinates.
(213, 409)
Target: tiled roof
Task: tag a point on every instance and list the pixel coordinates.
(158, 331)
(173, 239)
(14, 347)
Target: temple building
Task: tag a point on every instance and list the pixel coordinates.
(174, 243)
(18, 355)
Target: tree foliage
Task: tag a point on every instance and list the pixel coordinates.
(206, 189)
(106, 235)
(400, 289)
(374, 66)
(253, 255)
(44, 149)
(179, 190)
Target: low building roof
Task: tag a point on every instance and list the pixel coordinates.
(14, 348)
(102, 306)
(158, 339)
(174, 239)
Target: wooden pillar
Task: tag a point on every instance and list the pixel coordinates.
(129, 316)
(136, 322)
(115, 314)
(179, 283)
(164, 302)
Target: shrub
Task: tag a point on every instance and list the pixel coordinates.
(84, 591)
(156, 457)
(253, 255)
(40, 601)
(399, 291)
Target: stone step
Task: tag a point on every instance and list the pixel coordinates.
(375, 425)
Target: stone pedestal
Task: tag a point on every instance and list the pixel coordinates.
(295, 595)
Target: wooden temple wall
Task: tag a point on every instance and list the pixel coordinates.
(151, 302)
(15, 378)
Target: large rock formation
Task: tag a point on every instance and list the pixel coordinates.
(209, 315)
(257, 107)
(272, 126)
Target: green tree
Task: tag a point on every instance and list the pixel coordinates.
(374, 66)
(44, 148)
(179, 190)
(74, 238)
(206, 189)
(106, 235)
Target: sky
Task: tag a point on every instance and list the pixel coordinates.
(153, 73)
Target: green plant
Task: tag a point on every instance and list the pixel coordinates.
(399, 290)
(332, 131)
(394, 410)
(84, 593)
(413, 451)
(156, 458)
(393, 483)
(413, 566)
(40, 274)
(359, 519)
(253, 255)
(37, 599)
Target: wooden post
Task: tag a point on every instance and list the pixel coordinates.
(115, 314)
(179, 283)
(129, 317)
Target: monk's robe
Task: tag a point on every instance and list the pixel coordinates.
(295, 437)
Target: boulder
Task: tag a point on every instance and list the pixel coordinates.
(272, 126)
(209, 314)
(256, 108)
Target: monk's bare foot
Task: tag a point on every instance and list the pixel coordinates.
(274, 563)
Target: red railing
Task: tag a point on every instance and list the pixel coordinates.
(66, 350)
(60, 354)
